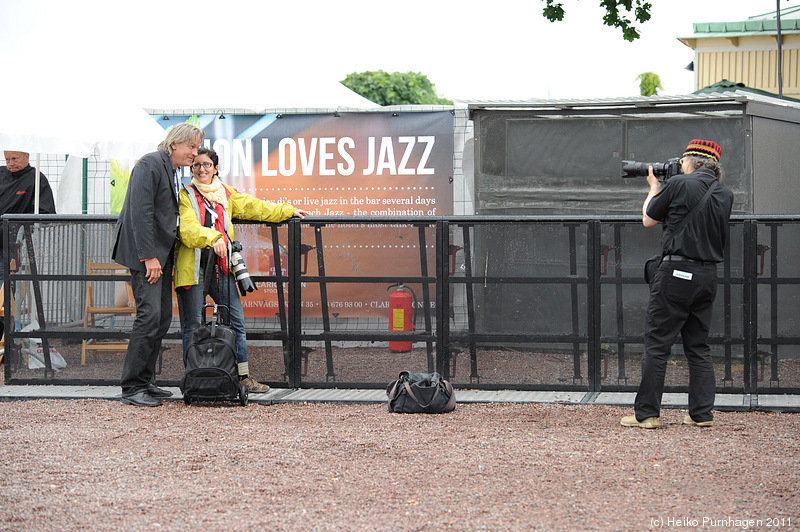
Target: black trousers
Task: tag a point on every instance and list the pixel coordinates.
(153, 318)
(681, 300)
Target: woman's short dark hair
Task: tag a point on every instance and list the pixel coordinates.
(204, 150)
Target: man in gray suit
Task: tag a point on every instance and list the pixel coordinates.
(145, 242)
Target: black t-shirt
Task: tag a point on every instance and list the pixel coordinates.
(704, 237)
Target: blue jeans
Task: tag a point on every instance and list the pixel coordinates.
(190, 307)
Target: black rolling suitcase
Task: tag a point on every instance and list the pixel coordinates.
(211, 369)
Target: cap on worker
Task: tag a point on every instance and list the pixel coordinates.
(703, 148)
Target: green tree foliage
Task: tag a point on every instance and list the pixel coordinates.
(614, 17)
(649, 83)
(397, 88)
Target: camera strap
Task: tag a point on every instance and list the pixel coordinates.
(215, 217)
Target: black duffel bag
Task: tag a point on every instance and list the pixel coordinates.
(425, 393)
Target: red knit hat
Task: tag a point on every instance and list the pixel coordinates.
(703, 148)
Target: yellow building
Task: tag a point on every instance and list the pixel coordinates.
(747, 52)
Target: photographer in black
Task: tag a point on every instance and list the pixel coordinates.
(683, 289)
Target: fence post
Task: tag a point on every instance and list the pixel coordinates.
(750, 310)
(593, 328)
(295, 303)
(8, 315)
(442, 298)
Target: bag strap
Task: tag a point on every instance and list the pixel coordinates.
(414, 397)
(696, 207)
(396, 385)
(691, 214)
(393, 392)
(207, 275)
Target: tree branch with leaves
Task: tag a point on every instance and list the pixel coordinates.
(617, 14)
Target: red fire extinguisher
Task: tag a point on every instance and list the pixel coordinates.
(402, 305)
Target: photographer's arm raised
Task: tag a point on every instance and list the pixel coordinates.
(655, 186)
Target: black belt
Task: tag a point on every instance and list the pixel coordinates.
(674, 258)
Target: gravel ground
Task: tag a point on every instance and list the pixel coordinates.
(102, 465)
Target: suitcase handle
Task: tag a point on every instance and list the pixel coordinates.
(215, 315)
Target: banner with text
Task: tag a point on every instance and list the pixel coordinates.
(359, 164)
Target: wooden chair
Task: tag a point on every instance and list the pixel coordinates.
(92, 309)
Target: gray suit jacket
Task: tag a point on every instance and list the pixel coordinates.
(147, 225)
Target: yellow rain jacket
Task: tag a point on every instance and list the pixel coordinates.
(193, 236)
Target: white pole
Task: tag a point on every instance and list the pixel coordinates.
(36, 192)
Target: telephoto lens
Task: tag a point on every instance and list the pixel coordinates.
(661, 170)
(239, 269)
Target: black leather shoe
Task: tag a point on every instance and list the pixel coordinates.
(141, 399)
(155, 391)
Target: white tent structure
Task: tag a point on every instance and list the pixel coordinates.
(116, 123)
(302, 95)
(78, 123)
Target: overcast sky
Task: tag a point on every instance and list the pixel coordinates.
(497, 50)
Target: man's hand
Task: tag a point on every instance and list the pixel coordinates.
(655, 186)
(652, 180)
(153, 270)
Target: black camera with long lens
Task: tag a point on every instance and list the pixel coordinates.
(243, 280)
(662, 171)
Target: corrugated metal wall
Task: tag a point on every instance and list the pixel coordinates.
(755, 68)
(528, 164)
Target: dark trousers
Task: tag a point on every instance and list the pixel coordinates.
(153, 318)
(679, 305)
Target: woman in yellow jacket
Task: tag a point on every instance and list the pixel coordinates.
(206, 209)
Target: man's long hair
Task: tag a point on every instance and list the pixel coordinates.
(707, 162)
(178, 134)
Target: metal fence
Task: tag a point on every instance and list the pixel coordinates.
(529, 303)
